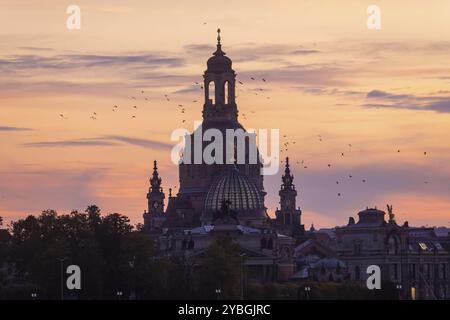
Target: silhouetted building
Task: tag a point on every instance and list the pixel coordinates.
(222, 197)
(288, 217)
(415, 259)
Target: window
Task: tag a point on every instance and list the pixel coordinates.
(392, 245)
(426, 270)
(412, 271)
(357, 273)
(211, 92)
(226, 92)
(423, 246)
(394, 271)
(357, 248)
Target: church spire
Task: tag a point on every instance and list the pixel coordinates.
(155, 180)
(287, 178)
(219, 45)
(155, 198)
(288, 214)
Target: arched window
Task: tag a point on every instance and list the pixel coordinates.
(191, 244)
(263, 243)
(270, 243)
(288, 218)
(211, 92)
(357, 273)
(392, 246)
(226, 92)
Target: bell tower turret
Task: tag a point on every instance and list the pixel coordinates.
(288, 217)
(155, 197)
(219, 84)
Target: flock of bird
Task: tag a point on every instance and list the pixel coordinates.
(329, 165)
(285, 145)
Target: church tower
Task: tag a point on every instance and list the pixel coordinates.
(220, 112)
(219, 84)
(155, 197)
(288, 217)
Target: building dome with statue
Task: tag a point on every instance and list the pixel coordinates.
(246, 201)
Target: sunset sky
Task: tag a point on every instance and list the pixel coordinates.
(331, 83)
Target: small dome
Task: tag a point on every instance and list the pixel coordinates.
(239, 189)
(371, 215)
(219, 63)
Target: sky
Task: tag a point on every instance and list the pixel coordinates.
(379, 97)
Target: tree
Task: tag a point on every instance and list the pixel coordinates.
(219, 269)
(85, 239)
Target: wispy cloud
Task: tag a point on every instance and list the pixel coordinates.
(304, 52)
(105, 141)
(70, 143)
(319, 91)
(145, 143)
(36, 49)
(73, 61)
(6, 128)
(383, 99)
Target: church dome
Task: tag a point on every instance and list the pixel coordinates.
(240, 190)
(219, 63)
